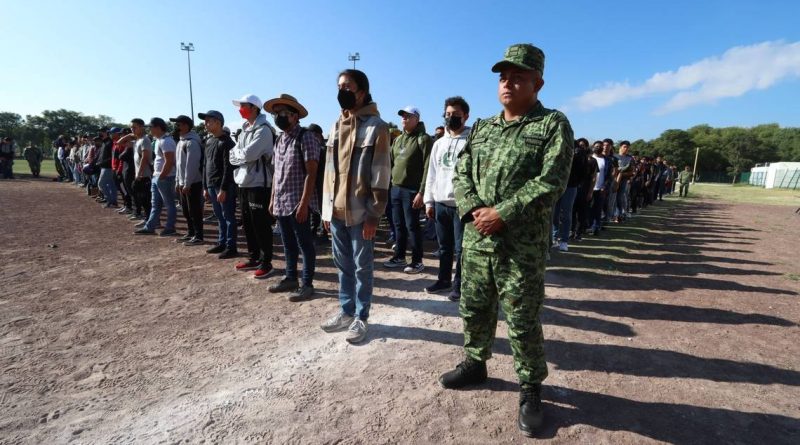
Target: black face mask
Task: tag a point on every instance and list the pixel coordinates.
(347, 99)
(282, 122)
(453, 123)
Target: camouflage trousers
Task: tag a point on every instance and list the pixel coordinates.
(492, 279)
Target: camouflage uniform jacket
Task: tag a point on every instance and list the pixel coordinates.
(520, 168)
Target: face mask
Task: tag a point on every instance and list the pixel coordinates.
(347, 99)
(244, 112)
(282, 122)
(453, 123)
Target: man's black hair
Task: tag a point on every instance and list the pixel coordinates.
(457, 101)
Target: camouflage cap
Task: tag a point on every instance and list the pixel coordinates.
(522, 55)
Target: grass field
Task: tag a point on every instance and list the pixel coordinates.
(746, 194)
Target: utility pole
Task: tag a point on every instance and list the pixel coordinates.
(354, 58)
(694, 171)
(189, 48)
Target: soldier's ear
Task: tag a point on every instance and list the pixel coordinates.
(538, 83)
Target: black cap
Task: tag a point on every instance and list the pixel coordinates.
(182, 119)
(214, 114)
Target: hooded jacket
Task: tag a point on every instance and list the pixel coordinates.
(441, 168)
(188, 159)
(218, 169)
(253, 154)
(355, 187)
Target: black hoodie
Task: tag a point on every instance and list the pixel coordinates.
(218, 171)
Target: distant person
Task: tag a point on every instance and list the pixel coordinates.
(108, 183)
(294, 194)
(355, 190)
(140, 182)
(600, 188)
(438, 133)
(440, 199)
(409, 155)
(625, 170)
(583, 198)
(33, 155)
(90, 170)
(219, 188)
(7, 152)
(162, 187)
(252, 157)
(684, 178)
(189, 179)
(317, 228)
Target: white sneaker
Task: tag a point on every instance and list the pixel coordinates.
(357, 331)
(563, 246)
(338, 322)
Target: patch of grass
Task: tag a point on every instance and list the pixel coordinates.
(745, 194)
(792, 276)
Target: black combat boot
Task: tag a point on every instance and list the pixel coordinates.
(468, 372)
(531, 413)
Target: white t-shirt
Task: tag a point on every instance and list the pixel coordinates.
(601, 174)
(164, 144)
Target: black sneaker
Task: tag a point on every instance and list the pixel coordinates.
(144, 231)
(184, 238)
(414, 268)
(228, 253)
(395, 263)
(219, 248)
(469, 372)
(285, 285)
(168, 232)
(531, 414)
(455, 294)
(194, 242)
(302, 293)
(438, 287)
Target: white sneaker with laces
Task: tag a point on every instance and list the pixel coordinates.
(357, 331)
(338, 322)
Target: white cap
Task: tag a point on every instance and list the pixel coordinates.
(249, 99)
(410, 110)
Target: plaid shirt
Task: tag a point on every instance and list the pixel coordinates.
(290, 172)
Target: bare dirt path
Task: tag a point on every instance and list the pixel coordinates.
(680, 327)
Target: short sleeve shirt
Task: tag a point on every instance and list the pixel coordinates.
(164, 145)
(142, 145)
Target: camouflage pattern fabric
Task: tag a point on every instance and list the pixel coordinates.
(520, 168)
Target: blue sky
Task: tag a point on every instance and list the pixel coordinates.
(741, 60)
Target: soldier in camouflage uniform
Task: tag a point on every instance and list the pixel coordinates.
(508, 177)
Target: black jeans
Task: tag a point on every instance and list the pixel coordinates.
(141, 196)
(127, 188)
(192, 207)
(257, 223)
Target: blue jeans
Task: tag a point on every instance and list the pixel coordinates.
(450, 232)
(108, 185)
(353, 256)
(297, 237)
(162, 193)
(562, 214)
(622, 199)
(226, 216)
(406, 223)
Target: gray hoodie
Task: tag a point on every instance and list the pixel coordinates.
(254, 143)
(188, 156)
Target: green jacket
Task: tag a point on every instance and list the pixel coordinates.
(410, 153)
(520, 168)
(685, 177)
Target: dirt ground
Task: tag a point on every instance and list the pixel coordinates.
(679, 327)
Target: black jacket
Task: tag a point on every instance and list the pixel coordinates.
(106, 153)
(218, 169)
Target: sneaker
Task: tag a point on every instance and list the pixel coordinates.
(469, 372)
(140, 225)
(144, 231)
(395, 263)
(184, 238)
(531, 413)
(264, 272)
(338, 322)
(110, 206)
(168, 232)
(438, 287)
(302, 293)
(122, 210)
(194, 242)
(210, 219)
(228, 253)
(414, 268)
(436, 254)
(455, 294)
(135, 217)
(219, 248)
(357, 331)
(248, 265)
(285, 285)
(563, 246)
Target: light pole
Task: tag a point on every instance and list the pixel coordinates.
(696, 157)
(354, 58)
(189, 48)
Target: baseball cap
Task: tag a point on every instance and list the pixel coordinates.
(522, 55)
(214, 114)
(408, 110)
(114, 130)
(251, 99)
(183, 119)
